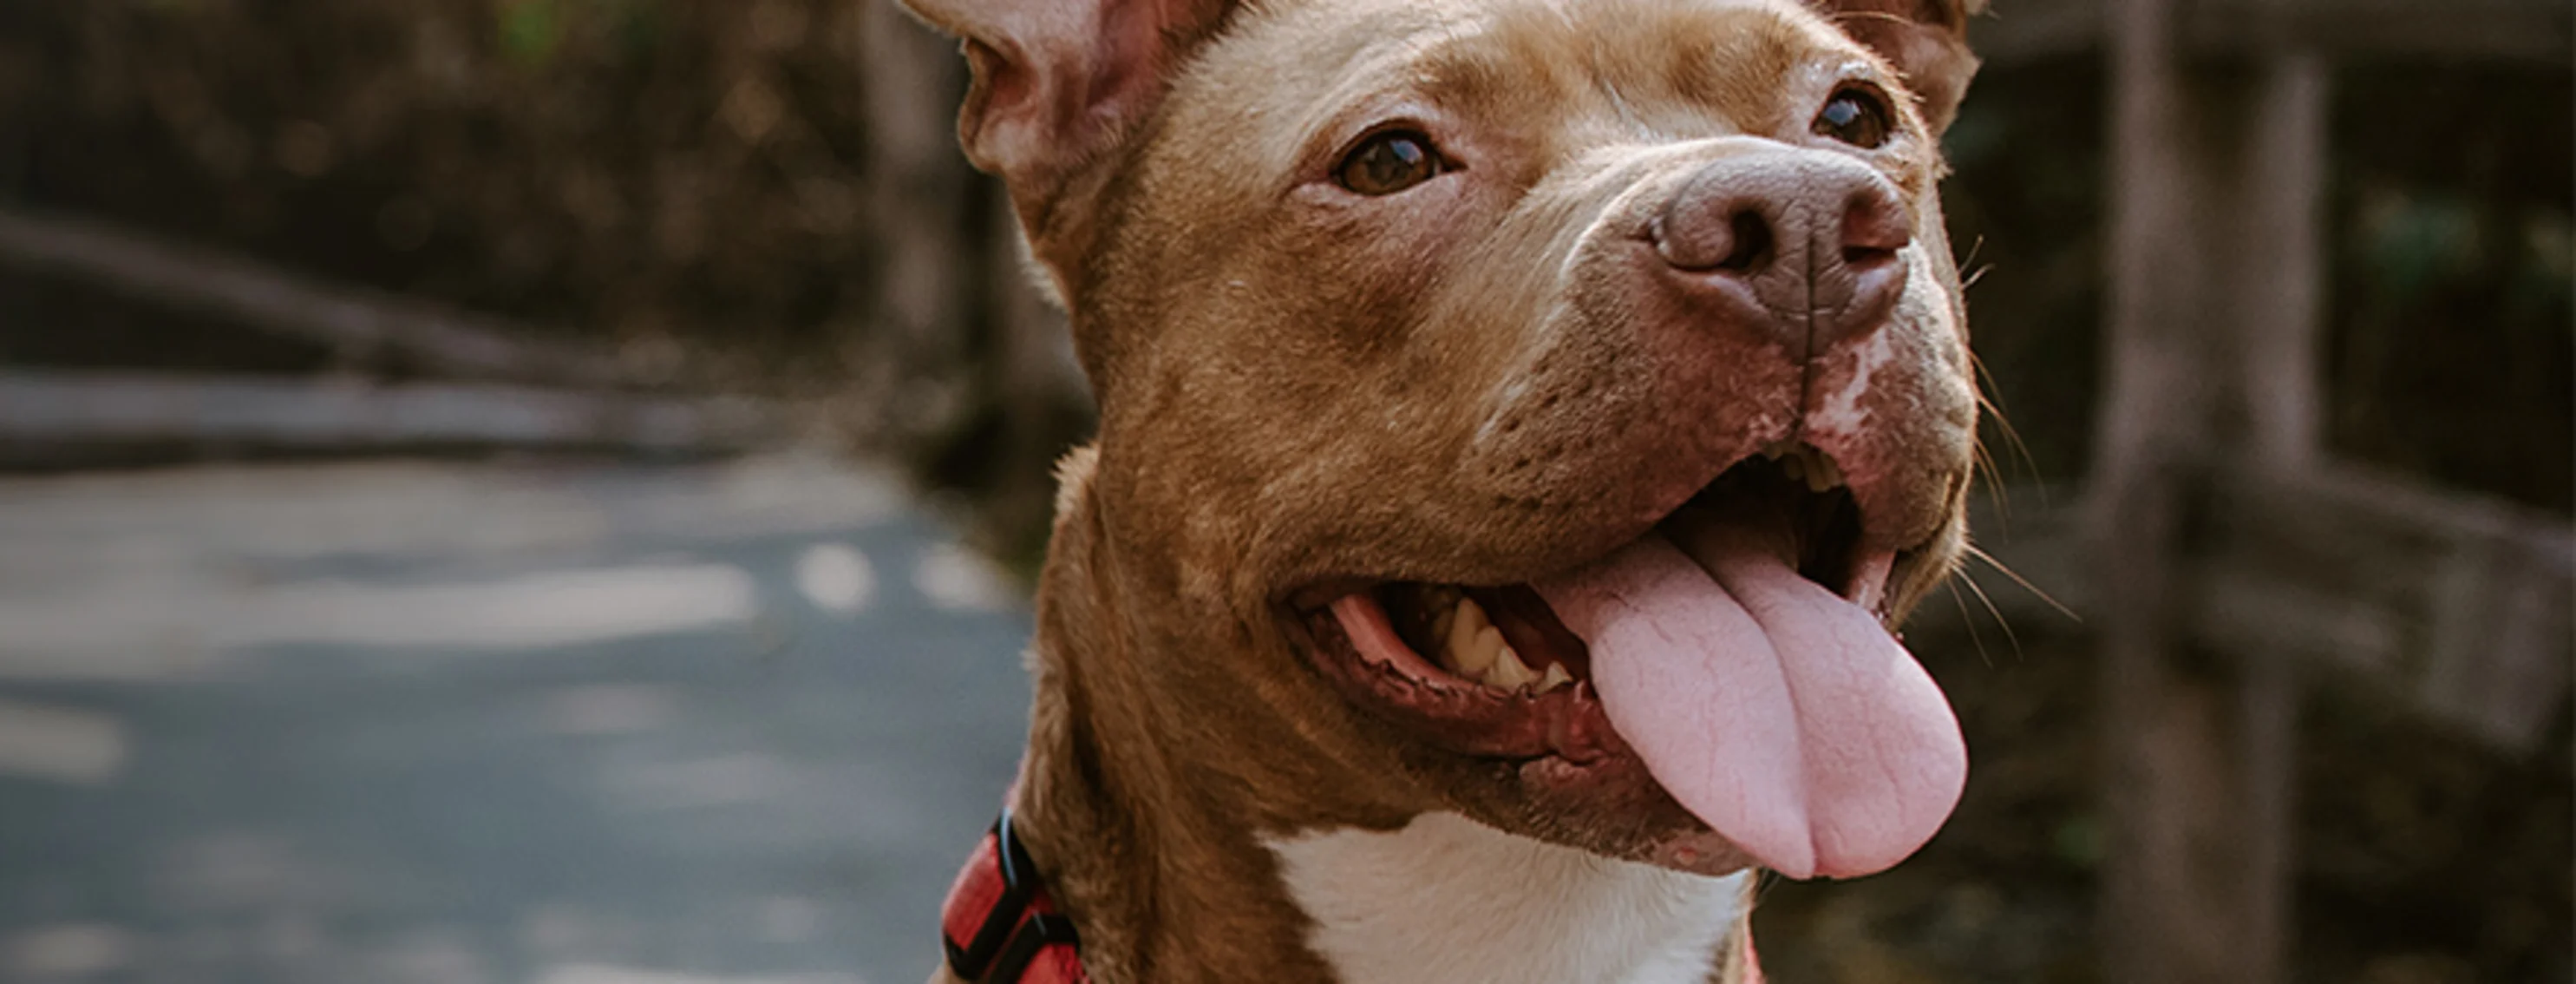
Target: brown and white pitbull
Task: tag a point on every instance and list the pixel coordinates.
(1521, 421)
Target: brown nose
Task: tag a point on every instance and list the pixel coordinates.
(1803, 244)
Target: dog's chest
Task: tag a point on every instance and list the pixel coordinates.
(1448, 901)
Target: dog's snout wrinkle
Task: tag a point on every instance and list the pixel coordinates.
(1797, 244)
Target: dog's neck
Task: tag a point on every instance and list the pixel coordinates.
(1447, 901)
(1172, 880)
(1149, 850)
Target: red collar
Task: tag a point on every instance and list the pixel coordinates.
(1001, 926)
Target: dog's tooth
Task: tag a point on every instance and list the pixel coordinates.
(1468, 618)
(1795, 466)
(1508, 672)
(1492, 651)
(1464, 644)
(1444, 613)
(1823, 475)
(1474, 662)
(1555, 678)
(1775, 450)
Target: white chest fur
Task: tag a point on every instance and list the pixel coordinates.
(1449, 901)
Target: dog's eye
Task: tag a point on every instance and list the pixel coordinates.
(1390, 162)
(1856, 117)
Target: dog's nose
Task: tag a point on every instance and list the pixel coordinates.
(1803, 244)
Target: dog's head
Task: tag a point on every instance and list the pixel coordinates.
(1533, 408)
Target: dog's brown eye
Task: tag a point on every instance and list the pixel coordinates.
(1390, 162)
(1856, 117)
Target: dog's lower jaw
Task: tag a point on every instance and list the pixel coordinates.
(1169, 882)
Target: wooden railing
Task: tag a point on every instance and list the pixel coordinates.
(2541, 32)
(498, 384)
(2215, 522)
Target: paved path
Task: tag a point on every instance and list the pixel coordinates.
(452, 724)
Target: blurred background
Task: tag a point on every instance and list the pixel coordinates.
(542, 490)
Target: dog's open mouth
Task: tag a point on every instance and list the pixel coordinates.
(1508, 643)
(1737, 649)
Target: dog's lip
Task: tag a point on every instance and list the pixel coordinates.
(1872, 589)
(1460, 716)
(1318, 595)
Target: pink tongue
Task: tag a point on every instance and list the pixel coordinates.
(1783, 716)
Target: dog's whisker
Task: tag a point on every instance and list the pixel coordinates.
(1974, 277)
(2000, 568)
(1994, 409)
(1847, 16)
(1982, 468)
(1967, 618)
(2000, 621)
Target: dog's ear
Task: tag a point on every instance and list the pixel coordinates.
(1059, 84)
(1925, 39)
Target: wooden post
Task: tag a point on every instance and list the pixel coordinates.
(2227, 555)
(2273, 276)
(2282, 274)
(2149, 931)
(2198, 754)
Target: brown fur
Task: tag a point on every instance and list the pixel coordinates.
(1465, 384)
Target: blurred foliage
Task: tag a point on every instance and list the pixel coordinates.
(2453, 346)
(638, 170)
(2451, 354)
